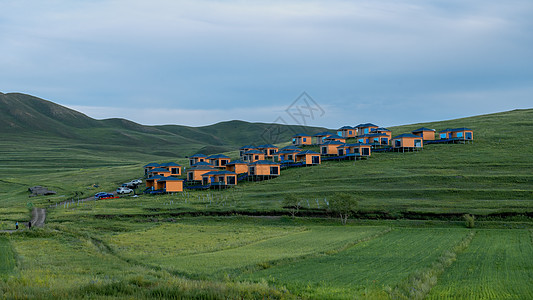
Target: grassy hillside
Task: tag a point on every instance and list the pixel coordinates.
(27, 120)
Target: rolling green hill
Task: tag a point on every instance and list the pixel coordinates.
(26, 119)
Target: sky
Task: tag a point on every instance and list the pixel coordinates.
(318, 63)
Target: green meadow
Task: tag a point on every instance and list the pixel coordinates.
(407, 239)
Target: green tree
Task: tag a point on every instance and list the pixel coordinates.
(293, 203)
(344, 205)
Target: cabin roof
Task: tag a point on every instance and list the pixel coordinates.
(423, 129)
(201, 168)
(325, 133)
(218, 173)
(200, 155)
(346, 128)
(170, 164)
(406, 135)
(333, 143)
(455, 129)
(253, 152)
(151, 165)
(247, 147)
(335, 137)
(215, 156)
(267, 146)
(301, 135)
(170, 178)
(372, 135)
(201, 163)
(264, 162)
(156, 177)
(380, 129)
(366, 125)
(307, 152)
(354, 145)
(236, 162)
(158, 170)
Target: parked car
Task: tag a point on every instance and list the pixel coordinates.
(98, 195)
(104, 195)
(124, 190)
(133, 184)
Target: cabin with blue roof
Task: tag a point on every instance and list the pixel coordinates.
(149, 167)
(347, 132)
(355, 149)
(301, 139)
(151, 181)
(287, 155)
(237, 166)
(308, 157)
(426, 134)
(264, 169)
(464, 134)
(174, 168)
(169, 185)
(374, 138)
(365, 128)
(197, 158)
(269, 150)
(195, 173)
(382, 130)
(320, 137)
(330, 148)
(244, 149)
(335, 138)
(218, 160)
(253, 155)
(159, 171)
(407, 141)
(219, 179)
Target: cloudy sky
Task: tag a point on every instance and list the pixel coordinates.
(200, 62)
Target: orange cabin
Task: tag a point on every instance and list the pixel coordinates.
(170, 184)
(407, 140)
(365, 128)
(253, 155)
(246, 148)
(219, 178)
(330, 148)
(320, 138)
(219, 160)
(357, 149)
(237, 166)
(308, 157)
(197, 158)
(347, 132)
(152, 181)
(264, 168)
(269, 150)
(374, 138)
(172, 167)
(335, 138)
(159, 171)
(195, 173)
(382, 130)
(457, 133)
(425, 133)
(288, 155)
(301, 139)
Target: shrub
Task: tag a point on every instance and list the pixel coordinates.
(469, 220)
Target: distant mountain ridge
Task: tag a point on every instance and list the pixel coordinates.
(25, 115)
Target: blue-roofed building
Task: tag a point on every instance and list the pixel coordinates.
(244, 149)
(301, 139)
(253, 155)
(347, 132)
(374, 138)
(462, 133)
(365, 128)
(219, 178)
(269, 150)
(196, 158)
(407, 141)
(308, 157)
(218, 160)
(427, 134)
(321, 136)
(330, 148)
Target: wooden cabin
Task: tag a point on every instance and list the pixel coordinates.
(457, 133)
(425, 133)
(384, 131)
(308, 157)
(244, 149)
(301, 139)
(195, 173)
(151, 181)
(407, 140)
(365, 128)
(335, 138)
(264, 168)
(288, 155)
(219, 160)
(269, 150)
(197, 158)
(174, 168)
(219, 178)
(149, 167)
(357, 149)
(159, 171)
(253, 155)
(170, 185)
(237, 166)
(347, 132)
(374, 138)
(320, 137)
(330, 148)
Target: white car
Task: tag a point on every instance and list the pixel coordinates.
(124, 190)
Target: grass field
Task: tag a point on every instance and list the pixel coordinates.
(496, 265)
(7, 260)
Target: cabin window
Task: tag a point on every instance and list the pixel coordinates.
(366, 151)
(231, 180)
(384, 141)
(241, 153)
(294, 141)
(221, 179)
(175, 171)
(324, 150)
(305, 139)
(397, 143)
(350, 132)
(205, 181)
(347, 150)
(361, 140)
(469, 135)
(459, 134)
(339, 133)
(289, 157)
(316, 159)
(356, 150)
(366, 130)
(341, 152)
(274, 171)
(190, 176)
(443, 135)
(418, 143)
(257, 157)
(252, 170)
(271, 151)
(191, 162)
(376, 140)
